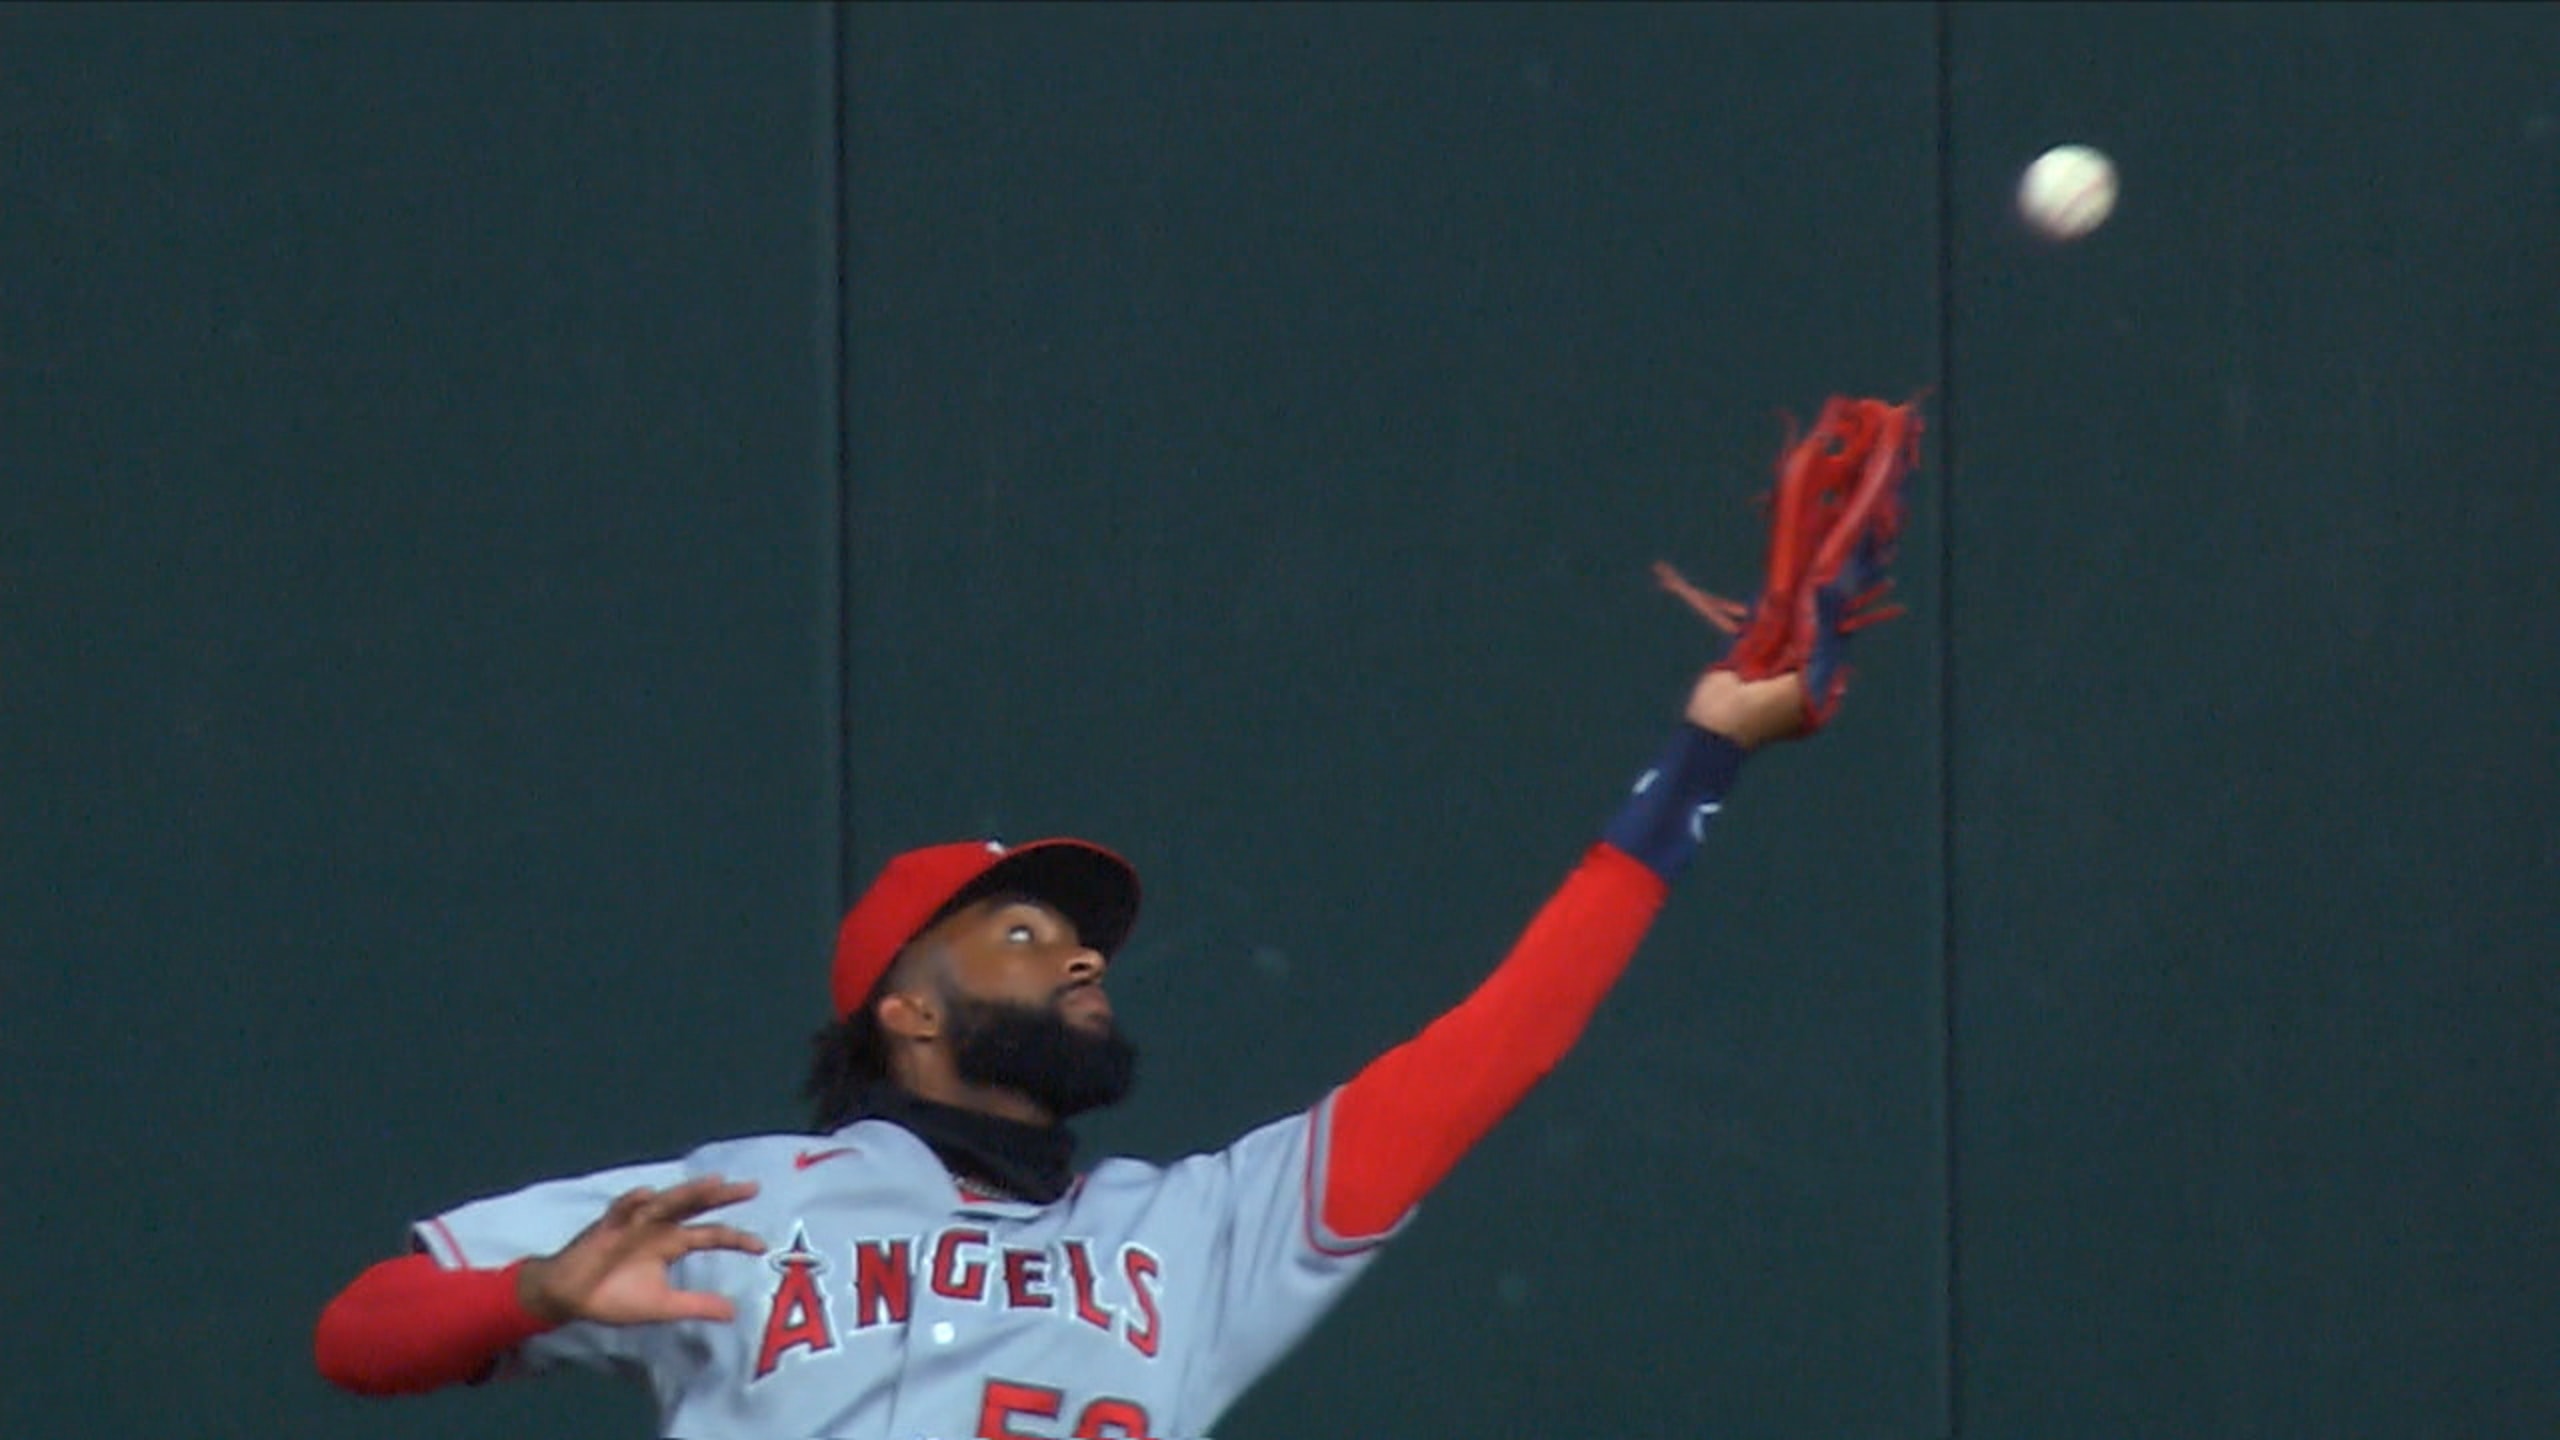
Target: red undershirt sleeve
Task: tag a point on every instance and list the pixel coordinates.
(410, 1325)
(1402, 1123)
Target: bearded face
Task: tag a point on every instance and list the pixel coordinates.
(1065, 1066)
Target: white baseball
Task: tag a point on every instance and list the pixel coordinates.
(2068, 192)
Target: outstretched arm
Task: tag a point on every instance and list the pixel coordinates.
(1835, 515)
(1403, 1122)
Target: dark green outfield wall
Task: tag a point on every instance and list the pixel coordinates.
(507, 512)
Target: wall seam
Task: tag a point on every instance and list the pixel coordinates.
(1951, 1375)
(835, 189)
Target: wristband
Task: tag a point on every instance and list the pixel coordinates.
(1665, 817)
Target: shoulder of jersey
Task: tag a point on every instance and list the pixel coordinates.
(759, 1157)
(1124, 1172)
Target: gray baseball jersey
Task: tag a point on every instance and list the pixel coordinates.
(897, 1305)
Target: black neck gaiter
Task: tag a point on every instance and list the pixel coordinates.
(1030, 1162)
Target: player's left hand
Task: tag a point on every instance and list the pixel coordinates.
(1750, 713)
(1834, 521)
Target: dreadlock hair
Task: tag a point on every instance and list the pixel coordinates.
(845, 1059)
(852, 1055)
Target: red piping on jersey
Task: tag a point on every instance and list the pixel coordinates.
(455, 1246)
(1321, 1241)
(410, 1325)
(1403, 1122)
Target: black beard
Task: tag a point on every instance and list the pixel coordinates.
(1065, 1068)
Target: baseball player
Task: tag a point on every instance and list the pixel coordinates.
(930, 1264)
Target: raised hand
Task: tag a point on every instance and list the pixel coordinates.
(1834, 521)
(615, 1271)
(1750, 713)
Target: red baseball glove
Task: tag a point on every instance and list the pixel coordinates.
(1833, 521)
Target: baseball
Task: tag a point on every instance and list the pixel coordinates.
(2068, 192)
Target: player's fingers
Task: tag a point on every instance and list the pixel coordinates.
(627, 1205)
(720, 1237)
(698, 1305)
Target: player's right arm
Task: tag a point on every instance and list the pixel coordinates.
(410, 1325)
(413, 1324)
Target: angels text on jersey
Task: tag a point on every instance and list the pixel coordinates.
(820, 1302)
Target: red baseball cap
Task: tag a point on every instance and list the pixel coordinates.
(1090, 886)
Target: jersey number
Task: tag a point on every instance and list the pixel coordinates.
(1005, 1402)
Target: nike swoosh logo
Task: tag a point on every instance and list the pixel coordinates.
(807, 1158)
